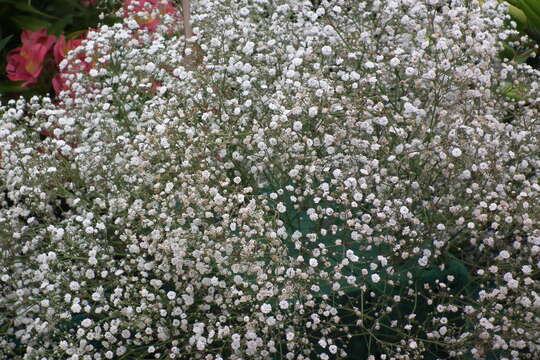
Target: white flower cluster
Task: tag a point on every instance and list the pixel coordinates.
(346, 180)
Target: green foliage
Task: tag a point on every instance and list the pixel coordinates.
(526, 13)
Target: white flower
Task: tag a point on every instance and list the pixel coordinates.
(266, 308)
(326, 50)
(513, 283)
(297, 126)
(456, 152)
(150, 67)
(244, 11)
(74, 285)
(382, 121)
(369, 65)
(271, 321)
(375, 278)
(410, 71)
(443, 330)
(248, 48)
(76, 308)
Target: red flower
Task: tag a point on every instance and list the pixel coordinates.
(26, 63)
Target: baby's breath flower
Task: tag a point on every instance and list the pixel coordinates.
(318, 168)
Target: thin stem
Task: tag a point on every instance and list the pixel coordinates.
(186, 8)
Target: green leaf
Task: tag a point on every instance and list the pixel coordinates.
(518, 16)
(4, 9)
(507, 52)
(513, 2)
(58, 27)
(532, 12)
(30, 23)
(522, 58)
(29, 8)
(12, 87)
(515, 92)
(4, 42)
(532, 5)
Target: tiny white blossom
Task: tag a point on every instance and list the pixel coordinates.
(266, 308)
(76, 308)
(456, 152)
(326, 50)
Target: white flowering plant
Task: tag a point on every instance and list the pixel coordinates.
(347, 179)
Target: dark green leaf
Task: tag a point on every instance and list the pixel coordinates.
(5, 9)
(4, 42)
(30, 23)
(29, 8)
(11, 87)
(58, 27)
(507, 52)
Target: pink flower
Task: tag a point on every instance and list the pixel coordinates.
(16, 68)
(62, 47)
(59, 83)
(145, 12)
(26, 63)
